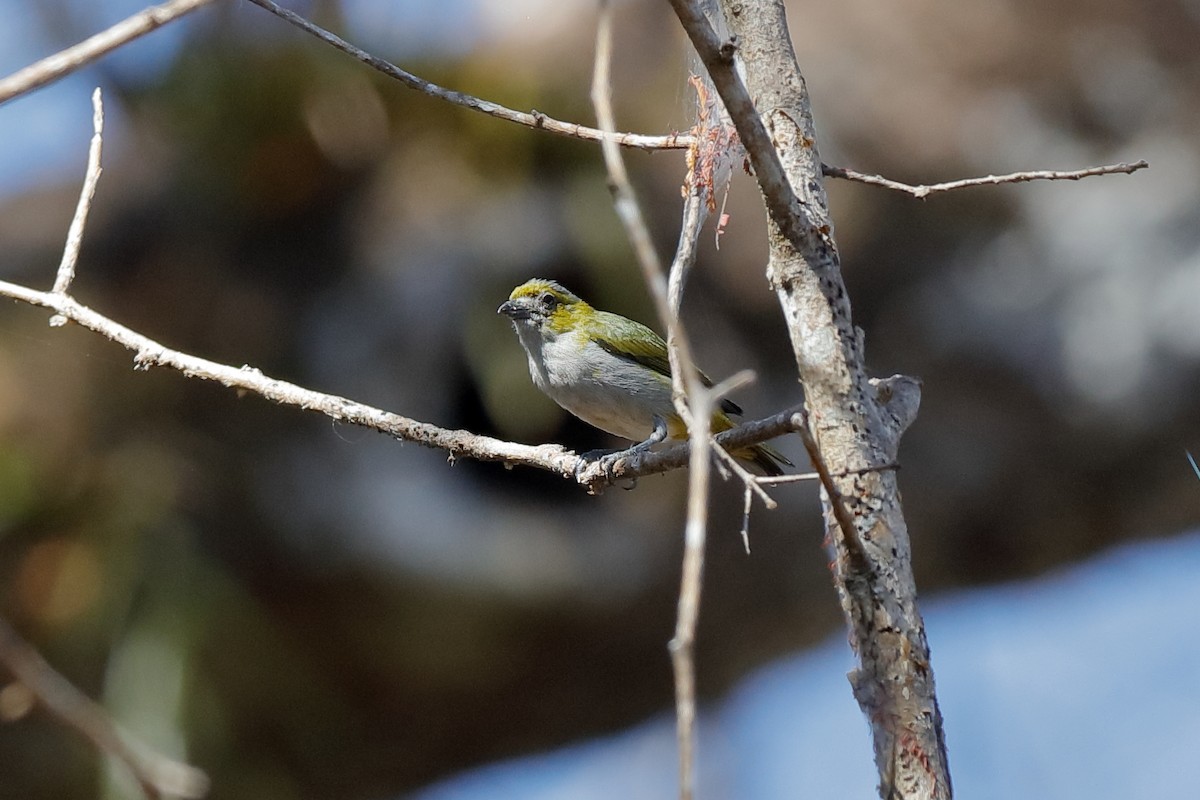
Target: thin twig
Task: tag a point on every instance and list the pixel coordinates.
(747, 501)
(67, 61)
(684, 376)
(738, 380)
(750, 488)
(749, 481)
(923, 190)
(66, 268)
(682, 644)
(753, 485)
(853, 542)
(779, 480)
(626, 205)
(532, 119)
(157, 775)
(691, 400)
(711, 144)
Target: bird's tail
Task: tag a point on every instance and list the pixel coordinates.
(764, 457)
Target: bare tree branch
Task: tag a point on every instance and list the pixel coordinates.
(855, 422)
(458, 443)
(157, 775)
(923, 190)
(532, 119)
(536, 119)
(67, 61)
(66, 268)
(693, 402)
(782, 203)
(853, 448)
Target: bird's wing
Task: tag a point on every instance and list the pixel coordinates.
(632, 341)
(635, 342)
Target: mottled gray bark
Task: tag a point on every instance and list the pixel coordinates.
(855, 422)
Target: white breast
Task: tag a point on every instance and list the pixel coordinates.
(613, 394)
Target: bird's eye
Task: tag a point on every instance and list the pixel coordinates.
(548, 301)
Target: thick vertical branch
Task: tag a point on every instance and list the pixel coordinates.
(856, 422)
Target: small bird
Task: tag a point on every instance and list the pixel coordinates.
(611, 372)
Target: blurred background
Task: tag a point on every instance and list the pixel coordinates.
(309, 610)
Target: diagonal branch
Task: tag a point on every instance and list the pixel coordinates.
(855, 423)
(66, 268)
(532, 119)
(157, 775)
(67, 61)
(458, 443)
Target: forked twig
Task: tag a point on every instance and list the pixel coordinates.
(749, 481)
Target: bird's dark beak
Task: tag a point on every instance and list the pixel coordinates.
(513, 310)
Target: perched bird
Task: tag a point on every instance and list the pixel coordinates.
(611, 372)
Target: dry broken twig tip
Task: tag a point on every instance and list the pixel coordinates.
(754, 483)
(66, 268)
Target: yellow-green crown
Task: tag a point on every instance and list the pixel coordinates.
(536, 287)
(551, 305)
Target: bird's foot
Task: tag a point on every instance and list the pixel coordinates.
(607, 460)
